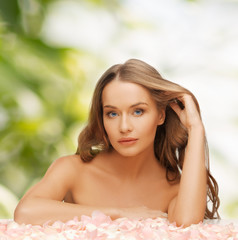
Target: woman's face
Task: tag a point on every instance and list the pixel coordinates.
(130, 117)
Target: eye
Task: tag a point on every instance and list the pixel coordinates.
(138, 112)
(111, 114)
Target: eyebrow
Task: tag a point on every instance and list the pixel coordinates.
(133, 105)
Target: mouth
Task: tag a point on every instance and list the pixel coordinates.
(127, 141)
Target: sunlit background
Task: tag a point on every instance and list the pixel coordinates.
(52, 52)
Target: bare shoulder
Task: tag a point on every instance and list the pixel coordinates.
(65, 169)
(173, 190)
(171, 185)
(174, 184)
(68, 164)
(58, 179)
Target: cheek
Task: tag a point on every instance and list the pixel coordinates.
(109, 127)
(148, 128)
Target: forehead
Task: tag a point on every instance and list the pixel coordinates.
(118, 92)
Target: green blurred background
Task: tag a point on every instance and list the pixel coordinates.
(53, 51)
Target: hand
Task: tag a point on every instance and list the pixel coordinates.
(189, 115)
(141, 212)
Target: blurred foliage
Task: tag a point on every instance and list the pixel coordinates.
(232, 208)
(4, 213)
(41, 110)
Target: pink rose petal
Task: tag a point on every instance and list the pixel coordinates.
(101, 227)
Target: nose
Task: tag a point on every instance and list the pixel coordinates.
(125, 124)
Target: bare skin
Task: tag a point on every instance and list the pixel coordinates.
(128, 181)
(89, 186)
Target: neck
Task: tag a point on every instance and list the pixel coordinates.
(134, 167)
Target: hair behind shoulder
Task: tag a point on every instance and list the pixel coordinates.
(171, 137)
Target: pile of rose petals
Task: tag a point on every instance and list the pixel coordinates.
(100, 226)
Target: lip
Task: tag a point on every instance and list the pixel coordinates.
(127, 141)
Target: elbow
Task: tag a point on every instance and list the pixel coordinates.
(186, 221)
(18, 215)
(21, 214)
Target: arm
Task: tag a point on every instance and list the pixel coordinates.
(44, 201)
(189, 205)
(36, 210)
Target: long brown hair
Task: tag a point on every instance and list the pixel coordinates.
(171, 137)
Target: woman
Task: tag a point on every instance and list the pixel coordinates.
(143, 153)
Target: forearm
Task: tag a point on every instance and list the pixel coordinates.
(39, 210)
(191, 199)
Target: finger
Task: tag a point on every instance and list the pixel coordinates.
(176, 108)
(189, 104)
(186, 99)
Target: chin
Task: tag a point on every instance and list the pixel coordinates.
(127, 152)
(128, 155)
